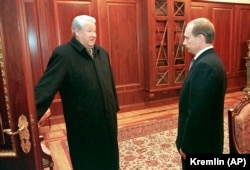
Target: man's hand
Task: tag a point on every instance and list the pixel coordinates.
(183, 155)
(43, 119)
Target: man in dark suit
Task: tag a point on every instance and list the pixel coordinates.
(201, 103)
(80, 70)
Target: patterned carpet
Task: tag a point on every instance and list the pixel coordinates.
(150, 146)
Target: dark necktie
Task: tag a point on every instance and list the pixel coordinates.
(191, 64)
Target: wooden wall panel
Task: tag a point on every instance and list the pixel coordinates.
(123, 38)
(198, 10)
(65, 11)
(124, 43)
(222, 16)
(241, 37)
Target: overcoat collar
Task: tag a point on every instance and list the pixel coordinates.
(78, 46)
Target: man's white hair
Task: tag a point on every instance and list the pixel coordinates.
(80, 21)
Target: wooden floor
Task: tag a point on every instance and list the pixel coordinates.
(126, 119)
(162, 112)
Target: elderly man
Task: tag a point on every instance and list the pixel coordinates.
(80, 70)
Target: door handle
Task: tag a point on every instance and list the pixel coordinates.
(9, 132)
(23, 132)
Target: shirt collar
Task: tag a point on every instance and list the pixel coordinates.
(200, 52)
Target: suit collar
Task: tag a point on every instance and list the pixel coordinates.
(202, 51)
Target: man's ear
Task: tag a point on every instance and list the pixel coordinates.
(76, 33)
(202, 37)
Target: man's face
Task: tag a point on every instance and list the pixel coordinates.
(191, 42)
(87, 35)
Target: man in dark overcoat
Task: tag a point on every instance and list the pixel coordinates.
(80, 70)
(201, 103)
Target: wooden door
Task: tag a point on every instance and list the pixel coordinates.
(19, 143)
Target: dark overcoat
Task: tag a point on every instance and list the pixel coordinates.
(90, 104)
(201, 106)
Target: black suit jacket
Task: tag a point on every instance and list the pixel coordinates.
(201, 106)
